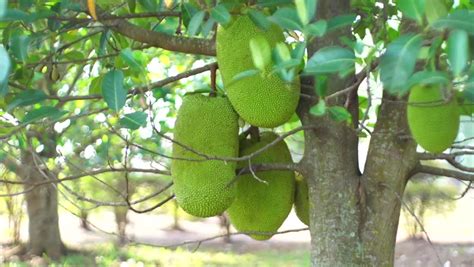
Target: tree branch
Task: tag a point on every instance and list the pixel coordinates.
(91, 173)
(142, 89)
(188, 45)
(450, 158)
(159, 14)
(199, 242)
(445, 172)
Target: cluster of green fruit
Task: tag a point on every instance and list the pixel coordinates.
(434, 117)
(257, 203)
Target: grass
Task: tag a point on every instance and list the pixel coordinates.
(137, 256)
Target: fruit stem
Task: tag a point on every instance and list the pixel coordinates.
(213, 70)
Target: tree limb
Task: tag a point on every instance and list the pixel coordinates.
(142, 89)
(445, 172)
(450, 158)
(77, 176)
(188, 45)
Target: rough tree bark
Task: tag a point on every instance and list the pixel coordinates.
(354, 216)
(42, 208)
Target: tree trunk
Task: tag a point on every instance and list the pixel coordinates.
(121, 222)
(84, 220)
(353, 216)
(330, 163)
(390, 162)
(176, 225)
(121, 212)
(42, 207)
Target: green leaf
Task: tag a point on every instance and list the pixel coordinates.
(113, 91)
(428, 77)
(3, 8)
(317, 29)
(272, 3)
(340, 22)
(41, 113)
(435, 45)
(469, 89)
(259, 19)
(299, 51)
(435, 9)
(339, 113)
(195, 23)
(459, 19)
(127, 55)
(134, 120)
(363, 102)
(25, 4)
(319, 109)
(311, 6)
(74, 55)
(207, 27)
(245, 74)
(70, 5)
(149, 5)
(221, 15)
(3, 88)
(302, 11)
(398, 63)
(26, 98)
(330, 59)
(160, 92)
(14, 14)
(95, 88)
(6, 128)
(414, 9)
(287, 18)
(321, 85)
(458, 51)
(188, 10)
(4, 65)
(282, 52)
(261, 52)
(103, 43)
(19, 46)
(53, 24)
(288, 64)
(132, 5)
(469, 93)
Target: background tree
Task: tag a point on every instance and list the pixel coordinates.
(77, 81)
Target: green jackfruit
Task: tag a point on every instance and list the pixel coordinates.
(263, 207)
(208, 125)
(434, 125)
(262, 100)
(302, 199)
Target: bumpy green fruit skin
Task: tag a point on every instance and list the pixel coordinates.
(302, 199)
(434, 126)
(261, 100)
(208, 125)
(260, 207)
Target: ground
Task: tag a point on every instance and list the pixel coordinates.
(452, 235)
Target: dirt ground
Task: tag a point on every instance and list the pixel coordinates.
(452, 236)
